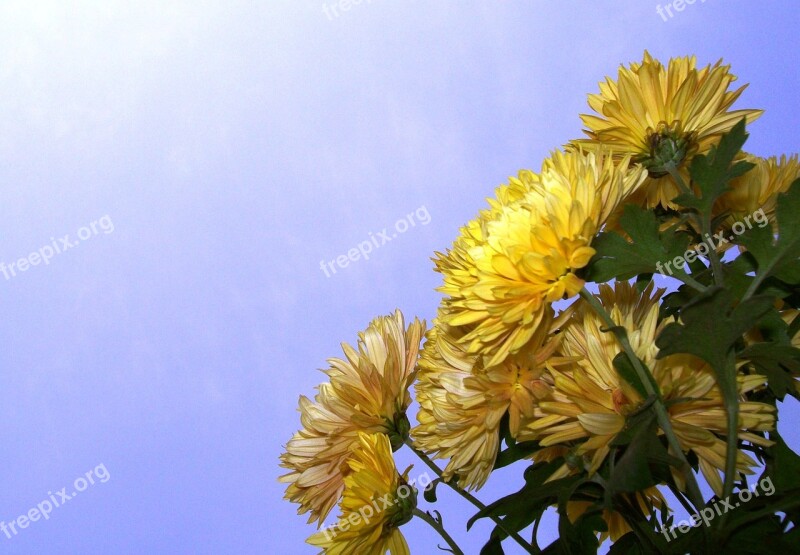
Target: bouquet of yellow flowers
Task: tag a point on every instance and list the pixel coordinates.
(555, 347)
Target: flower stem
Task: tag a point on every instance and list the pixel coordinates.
(437, 525)
(651, 388)
(469, 497)
(691, 282)
(731, 395)
(672, 169)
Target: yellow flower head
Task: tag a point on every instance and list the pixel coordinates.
(664, 115)
(590, 399)
(456, 265)
(526, 255)
(462, 403)
(376, 502)
(368, 391)
(755, 194)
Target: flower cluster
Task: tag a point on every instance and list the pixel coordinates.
(515, 358)
(368, 392)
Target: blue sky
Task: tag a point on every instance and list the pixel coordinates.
(233, 146)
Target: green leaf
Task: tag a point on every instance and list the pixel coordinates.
(516, 452)
(711, 325)
(737, 275)
(627, 545)
(777, 362)
(778, 257)
(580, 538)
(493, 547)
(648, 253)
(535, 495)
(761, 537)
(783, 465)
(711, 173)
(643, 448)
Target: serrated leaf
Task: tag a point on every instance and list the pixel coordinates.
(777, 362)
(649, 250)
(710, 325)
(643, 448)
(712, 172)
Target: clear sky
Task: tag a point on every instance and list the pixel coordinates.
(202, 159)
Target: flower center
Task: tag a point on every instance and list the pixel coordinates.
(667, 145)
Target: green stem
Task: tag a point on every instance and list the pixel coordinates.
(437, 525)
(652, 390)
(672, 169)
(713, 255)
(690, 281)
(469, 497)
(760, 276)
(731, 396)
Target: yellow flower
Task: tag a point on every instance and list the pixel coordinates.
(368, 391)
(754, 194)
(526, 255)
(664, 114)
(376, 502)
(456, 265)
(462, 404)
(591, 401)
(700, 423)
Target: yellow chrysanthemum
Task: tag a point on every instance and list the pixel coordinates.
(590, 399)
(456, 265)
(527, 254)
(663, 114)
(376, 502)
(462, 404)
(755, 194)
(700, 424)
(368, 391)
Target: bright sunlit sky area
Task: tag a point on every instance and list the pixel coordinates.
(186, 166)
